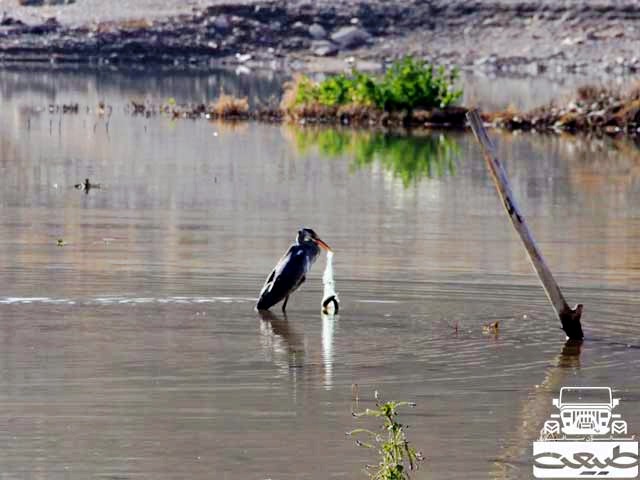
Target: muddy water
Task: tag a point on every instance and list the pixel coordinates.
(133, 351)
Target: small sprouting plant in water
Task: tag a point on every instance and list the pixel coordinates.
(397, 457)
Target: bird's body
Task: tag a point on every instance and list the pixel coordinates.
(288, 275)
(290, 272)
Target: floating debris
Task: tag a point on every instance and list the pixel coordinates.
(491, 328)
(73, 108)
(225, 107)
(65, 108)
(86, 185)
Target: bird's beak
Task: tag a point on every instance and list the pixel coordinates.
(321, 244)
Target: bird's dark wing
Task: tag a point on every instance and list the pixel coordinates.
(285, 278)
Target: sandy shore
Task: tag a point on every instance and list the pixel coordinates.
(506, 36)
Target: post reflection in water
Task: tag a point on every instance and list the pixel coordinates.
(537, 407)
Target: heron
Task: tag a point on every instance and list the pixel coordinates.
(290, 272)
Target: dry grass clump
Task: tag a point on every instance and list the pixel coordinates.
(634, 92)
(290, 95)
(228, 106)
(133, 24)
(590, 94)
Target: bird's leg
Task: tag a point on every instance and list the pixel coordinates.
(284, 305)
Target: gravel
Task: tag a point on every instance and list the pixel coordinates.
(518, 37)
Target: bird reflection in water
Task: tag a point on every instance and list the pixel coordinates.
(285, 347)
(280, 342)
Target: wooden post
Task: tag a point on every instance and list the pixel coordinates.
(569, 318)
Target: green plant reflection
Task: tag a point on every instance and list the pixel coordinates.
(408, 157)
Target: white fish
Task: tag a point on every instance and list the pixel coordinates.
(330, 296)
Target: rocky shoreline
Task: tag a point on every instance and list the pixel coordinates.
(506, 37)
(593, 110)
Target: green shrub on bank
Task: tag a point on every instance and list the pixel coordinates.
(408, 84)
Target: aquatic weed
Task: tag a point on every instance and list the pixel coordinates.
(396, 456)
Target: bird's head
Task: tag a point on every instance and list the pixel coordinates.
(306, 235)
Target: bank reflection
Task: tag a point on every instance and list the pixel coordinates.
(408, 156)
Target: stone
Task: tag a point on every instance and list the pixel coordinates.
(350, 37)
(222, 23)
(323, 48)
(39, 3)
(8, 21)
(608, 33)
(317, 31)
(243, 57)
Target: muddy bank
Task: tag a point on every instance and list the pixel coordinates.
(591, 110)
(509, 36)
(227, 108)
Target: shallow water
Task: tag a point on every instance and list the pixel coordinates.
(133, 351)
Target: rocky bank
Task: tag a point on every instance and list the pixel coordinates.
(508, 36)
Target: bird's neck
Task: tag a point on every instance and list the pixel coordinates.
(311, 249)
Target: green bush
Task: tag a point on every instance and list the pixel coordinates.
(411, 84)
(408, 84)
